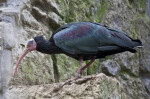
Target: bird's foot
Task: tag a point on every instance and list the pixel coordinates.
(72, 80)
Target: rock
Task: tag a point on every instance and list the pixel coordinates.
(111, 67)
(148, 8)
(90, 87)
(131, 86)
(51, 14)
(24, 19)
(146, 81)
(7, 43)
(8, 35)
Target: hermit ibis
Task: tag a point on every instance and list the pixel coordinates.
(83, 41)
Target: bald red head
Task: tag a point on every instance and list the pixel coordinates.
(31, 45)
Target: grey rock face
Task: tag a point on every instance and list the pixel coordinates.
(7, 43)
(148, 8)
(24, 19)
(111, 67)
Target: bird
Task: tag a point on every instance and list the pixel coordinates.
(83, 41)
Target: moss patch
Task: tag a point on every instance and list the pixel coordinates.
(102, 10)
(138, 3)
(92, 69)
(79, 10)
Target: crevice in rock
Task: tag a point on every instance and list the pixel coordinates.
(55, 67)
(43, 17)
(46, 5)
(131, 1)
(145, 77)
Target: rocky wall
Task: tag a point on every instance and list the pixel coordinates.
(24, 19)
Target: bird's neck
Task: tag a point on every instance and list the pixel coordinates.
(45, 46)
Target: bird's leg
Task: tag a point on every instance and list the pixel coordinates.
(79, 68)
(78, 75)
(79, 71)
(87, 65)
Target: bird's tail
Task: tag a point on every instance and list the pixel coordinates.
(137, 43)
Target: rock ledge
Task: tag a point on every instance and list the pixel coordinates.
(89, 87)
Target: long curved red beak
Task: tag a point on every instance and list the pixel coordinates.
(26, 50)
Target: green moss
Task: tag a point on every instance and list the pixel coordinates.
(134, 30)
(125, 72)
(83, 10)
(92, 69)
(109, 88)
(28, 72)
(27, 69)
(67, 66)
(138, 4)
(102, 10)
(30, 79)
(77, 11)
(142, 3)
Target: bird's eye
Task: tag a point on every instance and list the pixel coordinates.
(29, 45)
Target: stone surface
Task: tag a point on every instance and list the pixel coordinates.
(7, 41)
(91, 87)
(111, 67)
(148, 8)
(24, 19)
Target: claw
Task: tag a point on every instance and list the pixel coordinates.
(72, 80)
(80, 71)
